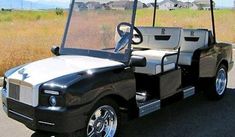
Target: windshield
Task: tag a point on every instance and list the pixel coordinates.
(93, 27)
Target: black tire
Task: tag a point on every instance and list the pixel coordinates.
(103, 102)
(213, 92)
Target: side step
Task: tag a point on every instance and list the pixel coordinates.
(149, 107)
(189, 91)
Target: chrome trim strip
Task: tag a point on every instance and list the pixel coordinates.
(46, 123)
(51, 92)
(149, 107)
(190, 91)
(21, 115)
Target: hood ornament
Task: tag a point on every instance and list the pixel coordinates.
(23, 73)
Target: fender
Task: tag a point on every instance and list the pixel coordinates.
(211, 58)
(84, 88)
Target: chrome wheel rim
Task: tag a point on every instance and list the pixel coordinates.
(102, 123)
(221, 81)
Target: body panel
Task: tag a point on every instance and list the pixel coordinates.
(170, 83)
(211, 58)
(83, 88)
(61, 120)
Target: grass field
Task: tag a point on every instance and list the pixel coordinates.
(26, 36)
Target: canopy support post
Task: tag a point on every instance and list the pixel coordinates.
(154, 13)
(213, 19)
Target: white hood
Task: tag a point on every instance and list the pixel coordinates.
(48, 69)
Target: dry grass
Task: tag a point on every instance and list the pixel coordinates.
(28, 36)
(225, 21)
(25, 37)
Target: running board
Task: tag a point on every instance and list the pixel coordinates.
(149, 107)
(189, 91)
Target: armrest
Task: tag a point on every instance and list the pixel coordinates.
(168, 55)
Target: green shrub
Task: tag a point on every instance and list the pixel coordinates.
(38, 17)
(59, 11)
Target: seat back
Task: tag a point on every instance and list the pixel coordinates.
(193, 39)
(160, 38)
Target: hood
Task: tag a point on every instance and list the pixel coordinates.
(47, 69)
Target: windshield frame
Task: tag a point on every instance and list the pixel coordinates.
(121, 57)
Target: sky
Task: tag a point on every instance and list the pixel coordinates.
(51, 1)
(65, 3)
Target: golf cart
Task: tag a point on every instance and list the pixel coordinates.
(108, 69)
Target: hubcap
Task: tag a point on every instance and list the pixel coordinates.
(102, 123)
(221, 81)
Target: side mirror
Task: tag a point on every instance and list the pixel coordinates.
(138, 61)
(55, 50)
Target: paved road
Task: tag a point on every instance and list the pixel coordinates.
(193, 117)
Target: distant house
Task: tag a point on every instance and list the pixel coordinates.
(105, 6)
(92, 5)
(152, 5)
(180, 4)
(140, 5)
(168, 5)
(195, 7)
(145, 5)
(118, 5)
(188, 4)
(80, 6)
(202, 4)
(124, 5)
(174, 4)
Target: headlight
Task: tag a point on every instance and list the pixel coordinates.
(52, 101)
(51, 98)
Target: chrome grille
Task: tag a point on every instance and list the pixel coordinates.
(22, 91)
(14, 91)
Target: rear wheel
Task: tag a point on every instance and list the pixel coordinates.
(218, 85)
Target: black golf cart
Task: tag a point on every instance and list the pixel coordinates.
(108, 68)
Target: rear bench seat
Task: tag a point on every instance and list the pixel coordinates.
(188, 39)
(160, 42)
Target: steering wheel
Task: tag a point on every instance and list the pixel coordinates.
(137, 35)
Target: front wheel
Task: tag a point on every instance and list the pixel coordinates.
(103, 120)
(218, 85)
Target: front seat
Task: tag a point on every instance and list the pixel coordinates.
(154, 61)
(163, 47)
